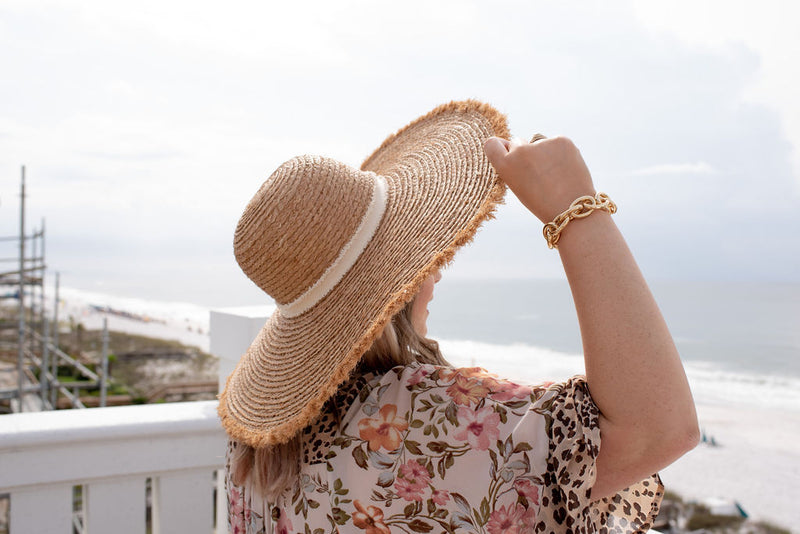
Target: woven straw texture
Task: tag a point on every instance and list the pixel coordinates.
(440, 189)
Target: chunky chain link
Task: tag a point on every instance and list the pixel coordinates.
(580, 208)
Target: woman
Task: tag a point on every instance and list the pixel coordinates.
(344, 417)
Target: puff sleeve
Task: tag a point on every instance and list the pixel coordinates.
(572, 426)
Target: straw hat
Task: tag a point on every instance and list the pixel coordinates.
(341, 250)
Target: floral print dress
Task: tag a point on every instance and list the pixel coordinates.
(424, 448)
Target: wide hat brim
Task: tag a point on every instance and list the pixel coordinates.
(441, 187)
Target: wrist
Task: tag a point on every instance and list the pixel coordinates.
(587, 232)
(581, 208)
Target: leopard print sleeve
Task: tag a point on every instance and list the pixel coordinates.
(572, 424)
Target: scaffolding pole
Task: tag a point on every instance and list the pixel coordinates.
(54, 363)
(21, 352)
(104, 376)
(44, 382)
(41, 273)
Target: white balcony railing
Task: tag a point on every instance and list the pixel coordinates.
(110, 453)
(113, 455)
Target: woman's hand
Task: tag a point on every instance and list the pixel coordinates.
(546, 175)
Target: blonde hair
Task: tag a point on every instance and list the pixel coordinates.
(269, 471)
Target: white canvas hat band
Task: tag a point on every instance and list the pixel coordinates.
(347, 256)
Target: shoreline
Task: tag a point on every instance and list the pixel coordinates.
(755, 463)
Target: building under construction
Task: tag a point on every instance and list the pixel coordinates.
(30, 357)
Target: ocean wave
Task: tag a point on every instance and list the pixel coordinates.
(711, 383)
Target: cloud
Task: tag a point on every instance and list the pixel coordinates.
(767, 28)
(146, 132)
(667, 169)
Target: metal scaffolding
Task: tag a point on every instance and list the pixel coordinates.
(36, 384)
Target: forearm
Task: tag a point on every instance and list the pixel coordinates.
(632, 366)
(647, 416)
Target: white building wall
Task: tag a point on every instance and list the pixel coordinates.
(231, 331)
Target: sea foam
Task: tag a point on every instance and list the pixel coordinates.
(710, 383)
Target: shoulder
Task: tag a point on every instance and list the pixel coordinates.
(406, 392)
(466, 386)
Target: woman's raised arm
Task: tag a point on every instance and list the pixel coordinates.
(634, 372)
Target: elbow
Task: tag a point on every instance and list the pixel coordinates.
(691, 434)
(687, 429)
(680, 430)
(678, 439)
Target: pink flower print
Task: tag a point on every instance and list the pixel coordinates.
(237, 524)
(478, 427)
(505, 519)
(528, 520)
(236, 511)
(466, 391)
(511, 519)
(413, 470)
(526, 488)
(412, 479)
(406, 490)
(504, 391)
(417, 376)
(235, 501)
(284, 526)
(440, 497)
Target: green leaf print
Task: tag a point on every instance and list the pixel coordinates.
(360, 457)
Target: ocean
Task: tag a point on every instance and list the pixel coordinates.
(740, 342)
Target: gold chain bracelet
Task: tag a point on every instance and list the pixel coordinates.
(580, 208)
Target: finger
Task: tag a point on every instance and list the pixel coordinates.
(496, 150)
(517, 142)
(505, 142)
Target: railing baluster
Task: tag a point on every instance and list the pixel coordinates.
(116, 506)
(42, 509)
(182, 502)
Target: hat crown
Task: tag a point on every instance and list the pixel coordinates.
(298, 222)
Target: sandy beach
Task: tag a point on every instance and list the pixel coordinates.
(756, 461)
(186, 323)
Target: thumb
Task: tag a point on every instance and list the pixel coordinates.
(496, 150)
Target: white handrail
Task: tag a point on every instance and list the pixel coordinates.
(111, 452)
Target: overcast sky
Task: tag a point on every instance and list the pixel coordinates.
(146, 127)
